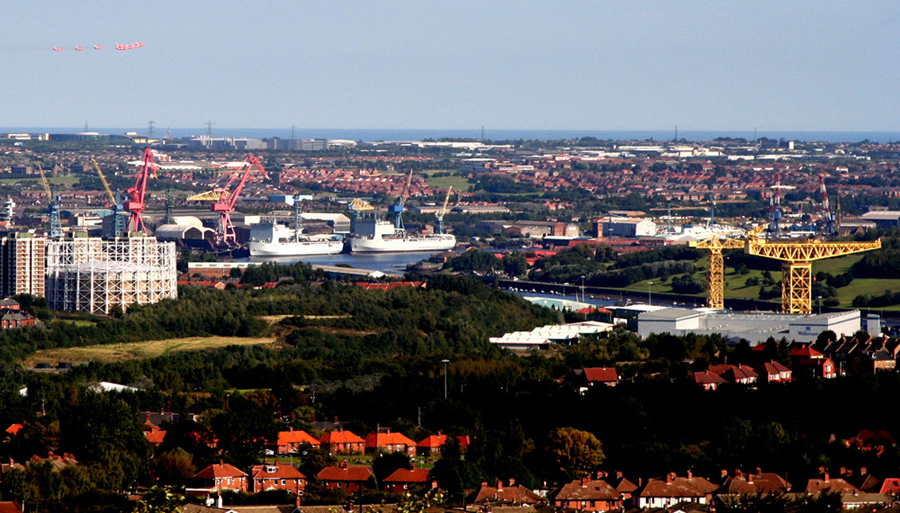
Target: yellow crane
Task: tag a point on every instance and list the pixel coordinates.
(440, 214)
(55, 227)
(715, 276)
(112, 196)
(44, 181)
(796, 266)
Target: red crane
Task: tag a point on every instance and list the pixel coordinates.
(225, 206)
(135, 202)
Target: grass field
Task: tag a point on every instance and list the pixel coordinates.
(458, 183)
(55, 180)
(138, 350)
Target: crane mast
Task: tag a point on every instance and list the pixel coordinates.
(225, 206)
(440, 216)
(826, 207)
(137, 194)
(55, 227)
(398, 209)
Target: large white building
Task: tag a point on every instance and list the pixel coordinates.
(626, 227)
(755, 327)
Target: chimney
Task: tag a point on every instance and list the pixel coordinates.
(758, 471)
(584, 481)
(619, 474)
(599, 474)
(825, 477)
(690, 475)
(344, 464)
(512, 482)
(843, 470)
(670, 477)
(434, 484)
(499, 485)
(723, 473)
(412, 466)
(291, 429)
(862, 470)
(738, 474)
(335, 419)
(750, 478)
(821, 469)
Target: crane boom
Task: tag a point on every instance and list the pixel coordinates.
(44, 180)
(225, 234)
(826, 207)
(112, 196)
(55, 228)
(136, 194)
(440, 215)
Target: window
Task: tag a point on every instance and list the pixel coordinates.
(283, 482)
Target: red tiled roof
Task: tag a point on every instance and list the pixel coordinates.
(345, 474)
(219, 470)
(280, 471)
(832, 485)
(296, 437)
(14, 428)
(402, 475)
(601, 374)
(374, 440)
(432, 442)
(587, 489)
(9, 507)
(806, 352)
(341, 436)
(706, 377)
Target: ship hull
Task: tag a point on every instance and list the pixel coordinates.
(402, 244)
(296, 248)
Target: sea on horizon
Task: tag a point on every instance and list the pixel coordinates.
(415, 134)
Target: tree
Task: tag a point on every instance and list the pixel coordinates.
(385, 464)
(160, 500)
(175, 466)
(572, 451)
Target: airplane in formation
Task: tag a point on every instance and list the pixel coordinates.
(98, 47)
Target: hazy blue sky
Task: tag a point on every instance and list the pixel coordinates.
(599, 65)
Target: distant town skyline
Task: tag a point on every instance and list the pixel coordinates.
(705, 66)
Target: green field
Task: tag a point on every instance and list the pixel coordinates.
(458, 183)
(55, 180)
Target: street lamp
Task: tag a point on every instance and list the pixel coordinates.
(819, 300)
(649, 293)
(582, 288)
(445, 362)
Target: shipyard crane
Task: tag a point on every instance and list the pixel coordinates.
(796, 267)
(225, 235)
(398, 209)
(826, 207)
(715, 276)
(116, 199)
(442, 211)
(55, 227)
(135, 202)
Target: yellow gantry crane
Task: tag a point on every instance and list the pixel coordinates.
(715, 275)
(796, 266)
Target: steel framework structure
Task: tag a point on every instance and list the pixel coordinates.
(796, 267)
(93, 275)
(715, 276)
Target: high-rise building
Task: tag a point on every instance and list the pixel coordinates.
(22, 264)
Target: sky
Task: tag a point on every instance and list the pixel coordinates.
(527, 65)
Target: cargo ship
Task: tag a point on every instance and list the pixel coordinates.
(275, 240)
(377, 236)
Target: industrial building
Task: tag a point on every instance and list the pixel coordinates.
(625, 227)
(755, 327)
(89, 274)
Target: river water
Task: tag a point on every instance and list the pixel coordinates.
(391, 263)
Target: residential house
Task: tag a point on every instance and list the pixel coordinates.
(830, 484)
(342, 442)
(587, 377)
(662, 493)
(877, 361)
(739, 374)
(514, 494)
(587, 494)
(217, 477)
(10, 507)
(15, 319)
(402, 479)
(706, 379)
(621, 484)
(154, 434)
(390, 442)
(773, 372)
(277, 476)
(758, 483)
(291, 441)
(344, 477)
(431, 445)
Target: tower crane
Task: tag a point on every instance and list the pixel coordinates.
(826, 207)
(442, 211)
(225, 205)
(115, 198)
(55, 228)
(398, 209)
(796, 267)
(136, 194)
(715, 276)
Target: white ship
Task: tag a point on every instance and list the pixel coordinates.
(382, 237)
(275, 240)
